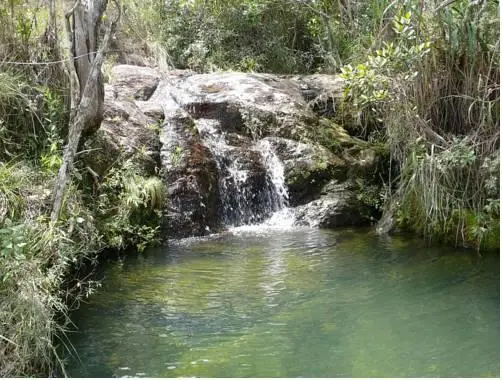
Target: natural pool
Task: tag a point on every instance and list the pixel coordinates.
(302, 302)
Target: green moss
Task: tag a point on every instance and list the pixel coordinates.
(460, 227)
(491, 239)
(321, 164)
(156, 127)
(297, 176)
(335, 137)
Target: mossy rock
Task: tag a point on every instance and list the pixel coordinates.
(308, 166)
(335, 137)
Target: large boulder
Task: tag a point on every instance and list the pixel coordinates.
(254, 104)
(307, 168)
(337, 206)
(134, 82)
(221, 141)
(125, 132)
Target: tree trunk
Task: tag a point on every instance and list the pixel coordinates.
(346, 8)
(86, 23)
(87, 87)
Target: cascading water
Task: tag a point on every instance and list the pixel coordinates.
(275, 176)
(251, 187)
(282, 216)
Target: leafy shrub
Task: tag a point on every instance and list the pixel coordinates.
(129, 207)
(439, 116)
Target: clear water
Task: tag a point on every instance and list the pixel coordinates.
(302, 302)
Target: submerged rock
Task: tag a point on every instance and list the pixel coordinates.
(387, 223)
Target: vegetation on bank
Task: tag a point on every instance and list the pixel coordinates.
(422, 80)
(44, 266)
(431, 92)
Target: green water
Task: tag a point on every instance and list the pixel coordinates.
(305, 303)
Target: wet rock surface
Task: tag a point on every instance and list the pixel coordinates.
(337, 206)
(232, 148)
(307, 168)
(190, 174)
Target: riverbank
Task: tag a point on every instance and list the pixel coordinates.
(343, 113)
(139, 181)
(45, 268)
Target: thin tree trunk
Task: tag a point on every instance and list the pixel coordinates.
(52, 36)
(333, 55)
(346, 8)
(87, 100)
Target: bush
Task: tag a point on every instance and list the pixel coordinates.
(432, 94)
(128, 207)
(44, 267)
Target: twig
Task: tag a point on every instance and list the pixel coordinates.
(8, 340)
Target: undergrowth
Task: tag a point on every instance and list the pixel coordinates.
(45, 268)
(128, 207)
(431, 91)
(35, 261)
(422, 77)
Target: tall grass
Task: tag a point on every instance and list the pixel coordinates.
(29, 69)
(44, 269)
(441, 119)
(34, 262)
(458, 96)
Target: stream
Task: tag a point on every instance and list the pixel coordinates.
(292, 302)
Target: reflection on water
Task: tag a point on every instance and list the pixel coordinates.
(267, 303)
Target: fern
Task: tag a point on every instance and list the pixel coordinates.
(129, 205)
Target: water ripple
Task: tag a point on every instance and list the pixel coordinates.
(289, 303)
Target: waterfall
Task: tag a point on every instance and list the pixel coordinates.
(275, 176)
(251, 186)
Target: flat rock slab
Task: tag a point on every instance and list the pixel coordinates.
(134, 82)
